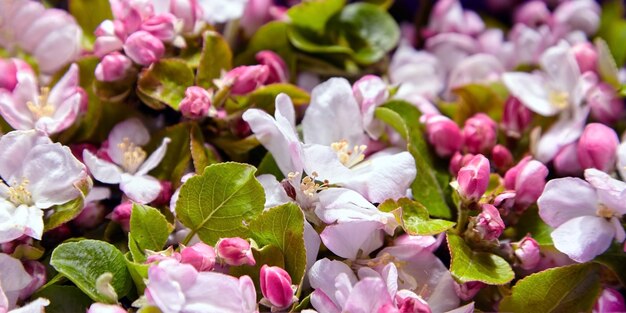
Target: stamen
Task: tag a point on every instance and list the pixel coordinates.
(559, 99)
(604, 211)
(41, 108)
(133, 156)
(349, 157)
(18, 194)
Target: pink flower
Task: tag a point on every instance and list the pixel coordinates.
(370, 92)
(144, 48)
(586, 56)
(585, 214)
(11, 70)
(200, 255)
(610, 300)
(502, 157)
(129, 164)
(161, 26)
(516, 117)
(189, 11)
(532, 13)
(244, 79)
(235, 251)
(473, 178)
(49, 110)
(479, 133)
(597, 147)
(528, 179)
(93, 211)
(278, 70)
(581, 15)
(256, 13)
(276, 287)
(527, 252)
(113, 67)
(468, 290)
(418, 73)
(488, 224)
(197, 103)
(449, 16)
(606, 106)
(444, 134)
(13, 281)
(566, 161)
(121, 214)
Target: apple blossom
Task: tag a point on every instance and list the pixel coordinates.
(444, 134)
(610, 300)
(473, 178)
(130, 164)
(278, 70)
(527, 252)
(532, 13)
(200, 255)
(197, 103)
(501, 157)
(584, 213)
(606, 106)
(144, 48)
(105, 308)
(113, 67)
(276, 287)
(597, 147)
(528, 179)
(234, 251)
(516, 117)
(479, 133)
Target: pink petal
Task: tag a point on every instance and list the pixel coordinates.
(566, 198)
(583, 238)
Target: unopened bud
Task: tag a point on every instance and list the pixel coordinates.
(235, 251)
(610, 300)
(597, 147)
(473, 178)
(516, 117)
(528, 254)
(488, 224)
(121, 214)
(606, 106)
(144, 48)
(113, 67)
(502, 157)
(196, 104)
(468, 290)
(276, 286)
(244, 79)
(444, 134)
(278, 71)
(200, 255)
(586, 56)
(479, 133)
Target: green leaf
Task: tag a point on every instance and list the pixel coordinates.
(478, 98)
(84, 261)
(268, 255)
(467, 265)
(606, 64)
(64, 299)
(164, 83)
(431, 183)
(201, 155)
(613, 30)
(63, 213)
(313, 15)
(265, 97)
(370, 31)
(271, 36)
(138, 272)
(531, 223)
(571, 288)
(220, 202)
(178, 154)
(216, 57)
(268, 166)
(89, 14)
(283, 227)
(413, 217)
(149, 227)
(615, 260)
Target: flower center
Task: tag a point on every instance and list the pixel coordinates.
(559, 99)
(604, 211)
(348, 156)
(132, 155)
(18, 194)
(309, 186)
(41, 108)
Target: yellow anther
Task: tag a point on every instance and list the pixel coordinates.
(604, 211)
(348, 157)
(132, 155)
(559, 99)
(41, 108)
(18, 194)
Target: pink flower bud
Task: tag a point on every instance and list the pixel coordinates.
(505, 202)
(196, 104)
(200, 255)
(516, 117)
(532, 13)
(489, 225)
(105, 308)
(9, 71)
(256, 13)
(113, 67)
(479, 133)
(502, 157)
(566, 161)
(527, 178)
(610, 300)
(161, 26)
(78, 148)
(278, 71)
(276, 286)
(606, 106)
(473, 178)
(91, 216)
(468, 290)
(38, 271)
(443, 134)
(586, 56)
(165, 195)
(121, 214)
(244, 79)
(527, 252)
(457, 161)
(144, 48)
(597, 147)
(235, 251)
(188, 11)
(240, 128)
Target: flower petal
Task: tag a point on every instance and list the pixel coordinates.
(346, 239)
(565, 131)
(18, 221)
(133, 130)
(101, 170)
(64, 116)
(368, 295)
(141, 189)
(14, 278)
(322, 277)
(154, 159)
(14, 146)
(274, 192)
(560, 65)
(531, 90)
(566, 198)
(65, 88)
(584, 237)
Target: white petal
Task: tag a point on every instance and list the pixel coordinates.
(322, 277)
(566, 198)
(274, 192)
(132, 129)
(14, 146)
(141, 189)
(565, 131)
(531, 90)
(36, 306)
(101, 170)
(560, 65)
(154, 159)
(14, 278)
(583, 238)
(346, 239)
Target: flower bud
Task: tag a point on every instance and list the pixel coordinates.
(121, 214)
(188, 11)
(113, 67)
(527, 178)
(108, 36)
(610, 300)
(479, 133)
(276, 286)
(502, 157)
(488, 224)
(586, 56)
(256, 13)
(161, 26)
(9, 71)
(38, 271)
(105, 308)
(235, 251)
(532, 13)
(468, 290)
(278, 71)
(597, 147)
(409, 302)
(244, 79)
(516, 117)
(200, 255)
(528, 254)
(144, 48)
(457, 161)
(91, 216)
(606, 106)
(443, 134)
(566, 161)
(165, 195)
(196, 104)
(473, 178)
(505, 202)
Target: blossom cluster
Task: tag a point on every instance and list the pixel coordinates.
(184, 156)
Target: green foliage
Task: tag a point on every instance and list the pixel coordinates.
(164, 83)
(478, 98)
(467, 265)
(613, 29)
(431, 183)
(89, 14)
(531, 223)
(84, 261)
(571, 288)
(265, 97)
(220, 202)
(313, 15)
(64, 299)
(215, 58)
(615, 260)
(178, 154)
(413, 217)
(66, 212)
(149, 228)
